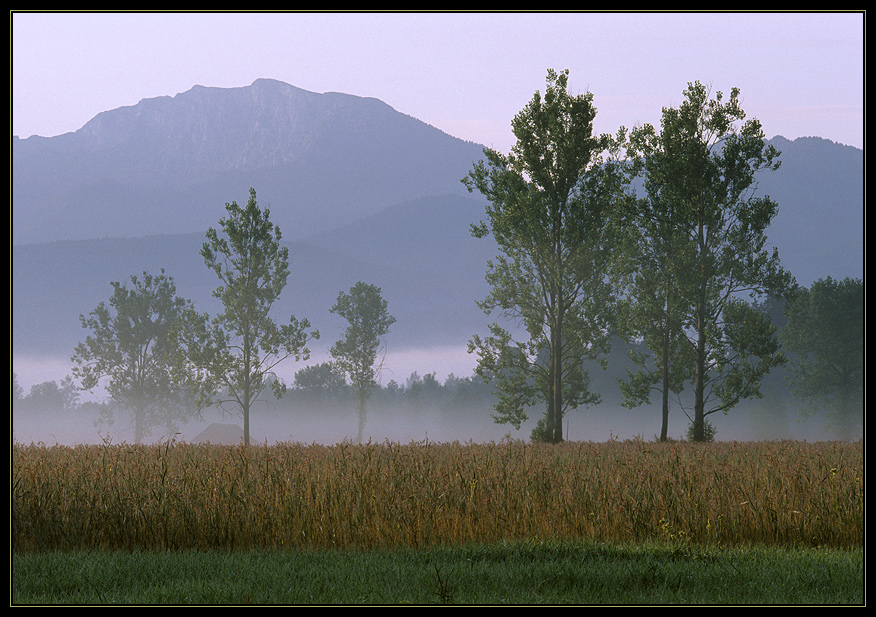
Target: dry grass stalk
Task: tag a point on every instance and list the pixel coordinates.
(295, 496)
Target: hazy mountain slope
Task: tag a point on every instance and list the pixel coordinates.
(819, 228)
(819, 188)
(169, 164)
(430, 235)
(53, 283)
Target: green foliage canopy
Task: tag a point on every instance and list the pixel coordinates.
(133, 350)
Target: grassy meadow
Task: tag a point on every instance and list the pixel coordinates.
(297, 499)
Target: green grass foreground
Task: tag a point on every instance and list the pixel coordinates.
(520, 573)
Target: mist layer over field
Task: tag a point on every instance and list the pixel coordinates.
(426, 395)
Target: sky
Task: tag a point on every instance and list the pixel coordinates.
(800, 73)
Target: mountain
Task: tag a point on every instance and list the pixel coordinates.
(359, 190)
(168, 165)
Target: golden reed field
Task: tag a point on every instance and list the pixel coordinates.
(297, 496)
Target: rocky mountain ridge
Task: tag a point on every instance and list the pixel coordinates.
(169, 164)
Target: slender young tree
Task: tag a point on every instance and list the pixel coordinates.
(702, 171)
(133, 349)
(550, 205)
(355, 354)
(240, 348)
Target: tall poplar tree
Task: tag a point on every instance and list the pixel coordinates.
(701, 177)
(549, 209)
(657, 257)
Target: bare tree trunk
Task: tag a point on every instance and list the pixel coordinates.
(664, 427)
(139, 422)
(699, 389)
(361, 408)
(555, 422)
(699, 376)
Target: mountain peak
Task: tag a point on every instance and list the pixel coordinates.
(208, 130)
(169, 163)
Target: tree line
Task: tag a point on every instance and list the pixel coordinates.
(683, 270)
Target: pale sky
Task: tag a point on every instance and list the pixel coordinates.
(468, 74)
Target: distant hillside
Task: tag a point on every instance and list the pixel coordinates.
(430, 281)
(168, 165)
